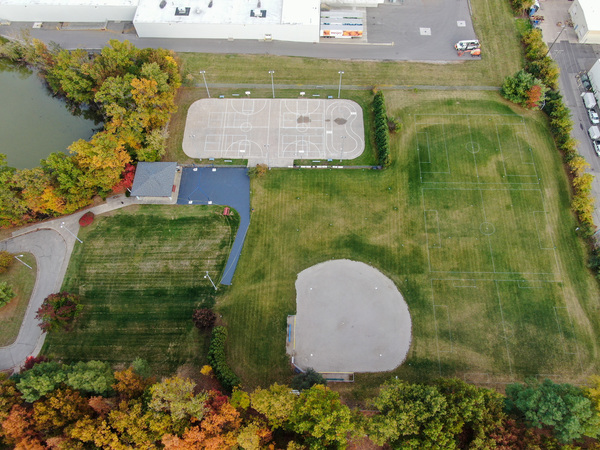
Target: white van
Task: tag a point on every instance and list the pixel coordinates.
(594, 132)
(588, 100)
(467, 45)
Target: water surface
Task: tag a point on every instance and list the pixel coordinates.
(34, 124)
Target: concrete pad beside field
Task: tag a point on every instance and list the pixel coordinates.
(350, 318)
(274, 131)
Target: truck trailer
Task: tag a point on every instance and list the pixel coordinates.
(594, 76)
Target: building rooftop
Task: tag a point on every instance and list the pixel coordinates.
(154, 179)
(34, 3)
(591, 9)
(211, 11)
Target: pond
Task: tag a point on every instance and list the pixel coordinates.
(33, 123)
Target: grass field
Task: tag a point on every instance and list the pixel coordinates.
(22, 279)
(493, 22)
(141, 274)
(471, 222)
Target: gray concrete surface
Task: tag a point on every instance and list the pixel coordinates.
(393, 33)
(350, 318)
(421, 29)
(274, 131)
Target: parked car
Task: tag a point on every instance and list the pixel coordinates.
(593, 116)
(596, 147)
(585, 81)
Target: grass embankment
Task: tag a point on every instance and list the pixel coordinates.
(141, 273)
(493, 22)
(22, 279)
(472, 226)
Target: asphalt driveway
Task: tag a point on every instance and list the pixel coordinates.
(227, 186)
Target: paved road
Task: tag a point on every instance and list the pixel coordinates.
(573, 59)
(393, 33)
(52, 246)
(51, 253)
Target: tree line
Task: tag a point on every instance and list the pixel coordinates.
(86, 405)
(132, 90)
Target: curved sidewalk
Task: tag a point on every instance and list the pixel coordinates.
(52, 247)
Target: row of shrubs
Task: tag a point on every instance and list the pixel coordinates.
(218, 361)
(382, 133)
(545, 68)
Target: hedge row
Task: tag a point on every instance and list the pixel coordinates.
(216, 358)
(561, 125)
(382, 132)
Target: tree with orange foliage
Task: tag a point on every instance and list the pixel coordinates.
(534, 96)
(59, 409)
(129, 384)
(19, 429)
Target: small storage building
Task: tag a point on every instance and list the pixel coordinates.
(154, 181)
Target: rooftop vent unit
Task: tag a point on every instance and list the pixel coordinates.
(182, 11)
(258, 13)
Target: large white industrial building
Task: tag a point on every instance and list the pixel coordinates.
(286, 20)
(585, 15)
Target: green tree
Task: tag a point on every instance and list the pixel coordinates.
(275, 403)
(176, 396)
(307, 379)
(320, 416)
(411, 416)
(563, 407)
(69, 76)
(6, 259)
(517, 88)
(6, 293)
(40, 380)
(472, 412)
(91, 377)
(12, 207)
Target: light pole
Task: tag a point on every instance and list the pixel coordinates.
(341, 72)
(17, 257)
(62, 225)
(205, 85)
(272, 85)
(211, 281)
(552, 45)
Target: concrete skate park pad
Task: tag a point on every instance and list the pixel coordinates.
(350, 318)
(274, 131)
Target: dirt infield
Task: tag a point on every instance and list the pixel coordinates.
(350, 318)
(274, 131)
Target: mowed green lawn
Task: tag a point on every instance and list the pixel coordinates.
(471, 222)
(141, 273)
(22, 280)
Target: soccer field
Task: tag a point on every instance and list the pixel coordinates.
(471, 222)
